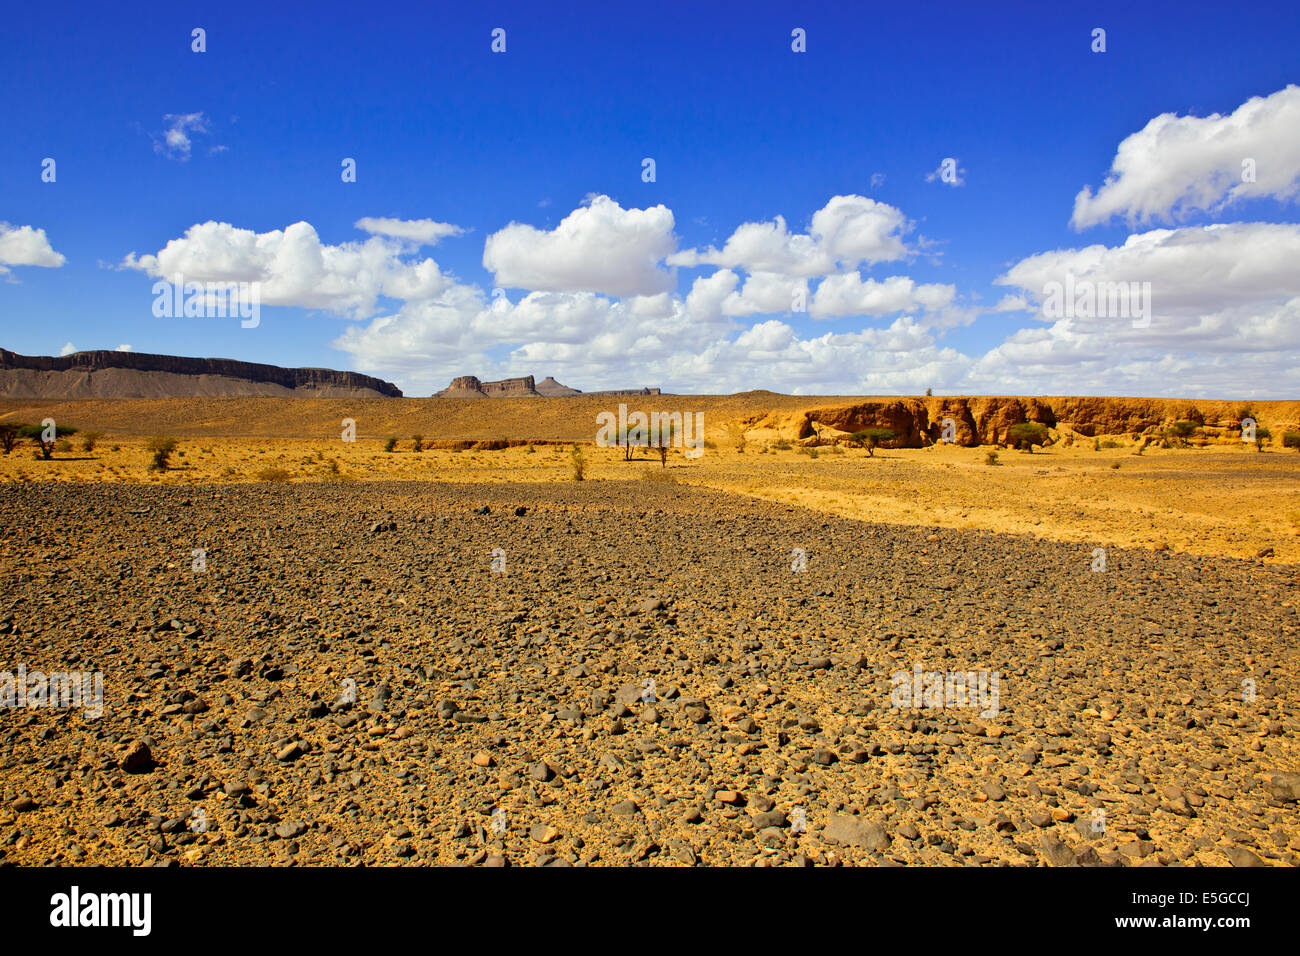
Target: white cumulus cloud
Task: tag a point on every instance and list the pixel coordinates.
(1177, 165)
(25, 246)
(600, 247)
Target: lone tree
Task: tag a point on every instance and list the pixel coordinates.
(46, 436)
(1291, 440)
(663, 443)
(870, 438)
(1026, 435)
(161, 447)
(1260, 435)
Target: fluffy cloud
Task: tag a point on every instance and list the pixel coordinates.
(421, 232)
(295, 268)
(847, 232)
(176, 139)
(25, 246)
(600, 247)
(1225, 317)
(67, 349)
(1177, 165)
(849, 294)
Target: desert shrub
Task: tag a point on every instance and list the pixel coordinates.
(161, 448)
(89, 440)
(275, 475)
(1183, 430)
(390, 443)
(1026, 435)
(1291, 440)
(8, 437)
(417, 443)
(990, 458)
(710, 445)
(578, 462)
(1110, 443)
(1096, 444)
(872, 438)
(1115, 465)
(1260, 435)
(530, 450)
(63, 445)
(780, 445)
(834, 450)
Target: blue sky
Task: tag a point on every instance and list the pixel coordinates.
(742, 130)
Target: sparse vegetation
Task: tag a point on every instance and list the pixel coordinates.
(417, 443)
(274, 475)
(390, 443)
(872, 438)
(990, 457)
(1291, 440)
(89, 440)
(8, 437)
(578, 462)
(161, 448)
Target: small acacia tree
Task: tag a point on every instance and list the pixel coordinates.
(871, 438)
(417, 443)
(1260, 435)
(46, 436)
(8, 437)
(1026, 435)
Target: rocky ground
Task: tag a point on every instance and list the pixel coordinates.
(647, 681)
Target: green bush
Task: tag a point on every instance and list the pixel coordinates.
(1026, 435)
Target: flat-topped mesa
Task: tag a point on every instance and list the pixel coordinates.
(122, 374)
(470, 386)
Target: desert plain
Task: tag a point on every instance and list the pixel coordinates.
(318, 651)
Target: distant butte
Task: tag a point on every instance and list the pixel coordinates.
(469, 386)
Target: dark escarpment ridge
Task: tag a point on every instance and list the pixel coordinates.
(113, 374)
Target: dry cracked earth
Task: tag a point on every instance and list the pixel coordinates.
(346, 680)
